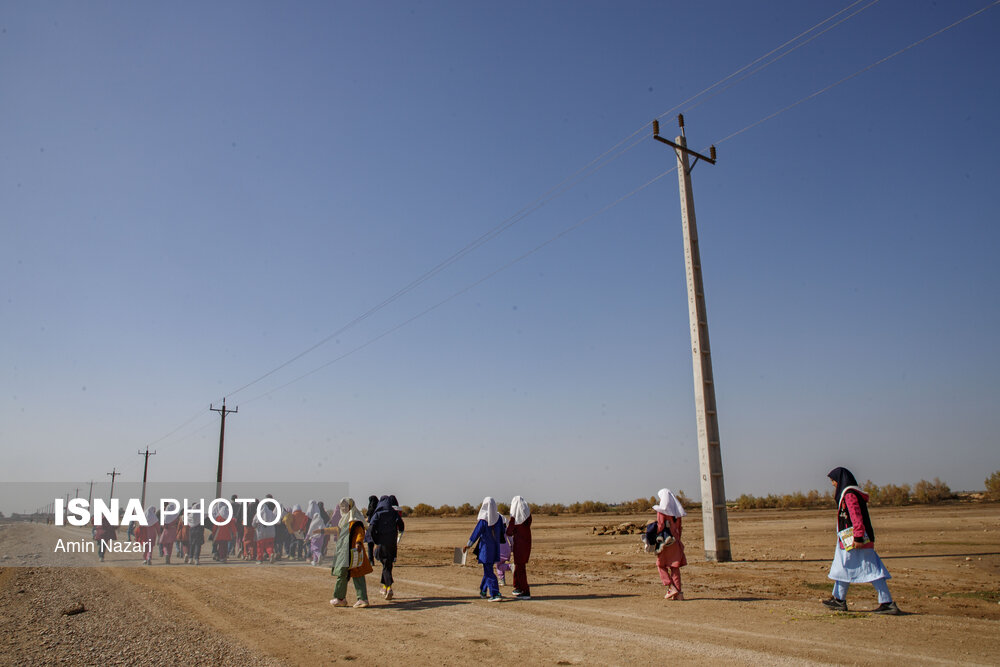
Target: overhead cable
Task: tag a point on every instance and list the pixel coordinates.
(858, 73)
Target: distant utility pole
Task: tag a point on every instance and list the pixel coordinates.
(114, 473)
(90, 495)
(713, 493)
(222, 440)
(145, 470)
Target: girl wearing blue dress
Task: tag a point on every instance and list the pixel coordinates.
(489, 532)
(855, 560)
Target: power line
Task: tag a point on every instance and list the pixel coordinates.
(767, 55)
(858, 73)
(771, 62)
(470, 286)
(565, 185)
(195, 416)
(608, 207)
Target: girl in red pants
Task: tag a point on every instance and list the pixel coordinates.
(670, 561)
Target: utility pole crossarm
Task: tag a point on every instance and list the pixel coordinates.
(684, 149)
(114, 473)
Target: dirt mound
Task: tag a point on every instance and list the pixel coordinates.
(619, 529)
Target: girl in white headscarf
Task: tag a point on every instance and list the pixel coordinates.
(350, 561)
(671, 559)
(519, 532)
(264, 529)
(316, 538)
(489, 532)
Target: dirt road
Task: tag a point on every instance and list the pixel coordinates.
(596, 600)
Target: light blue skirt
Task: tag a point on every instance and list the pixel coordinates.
(857, 566)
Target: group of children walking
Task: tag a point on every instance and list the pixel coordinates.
(293, 537)
(494, 541)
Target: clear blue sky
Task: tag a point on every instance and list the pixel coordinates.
(192, 195)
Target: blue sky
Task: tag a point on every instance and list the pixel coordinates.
(191, 196)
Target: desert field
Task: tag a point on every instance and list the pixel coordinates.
(597, 600)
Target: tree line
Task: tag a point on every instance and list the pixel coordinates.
(923, 492)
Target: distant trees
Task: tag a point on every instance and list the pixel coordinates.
(890, 494)
(465, 509)
(797, 500)
(931, 492)
(923, 492)
(993, 486)
(644, 504)
(550, 509)
(421, 509)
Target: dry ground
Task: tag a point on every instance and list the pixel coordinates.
(597, 600)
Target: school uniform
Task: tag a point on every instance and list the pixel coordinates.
(350, 562)
(489, 532)
(860, 564)
(671, 559)
(519, 532)
(386, 525)
(265, 534)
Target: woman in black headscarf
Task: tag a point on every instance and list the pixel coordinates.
(855, 560)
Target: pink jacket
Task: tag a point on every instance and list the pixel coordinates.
(857, 521)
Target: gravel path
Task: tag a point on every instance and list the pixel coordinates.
(121, 626)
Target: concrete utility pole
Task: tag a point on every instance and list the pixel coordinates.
(114, 473)
(222, 439)
(713, 492)
(145, 470)
(90, 495)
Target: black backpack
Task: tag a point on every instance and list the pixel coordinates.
(657, 540)
(384, 527)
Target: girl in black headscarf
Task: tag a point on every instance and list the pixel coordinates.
(372, 504)
(386, 529)
(855, 560)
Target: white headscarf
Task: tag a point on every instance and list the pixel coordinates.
(316, 523)
(349, 513)
(489, 511)
(312, 507)
(669, 504)
(167, 518)
(296, 508)
(265, 515)
(519, 510)
(151, 519)
(221, 513)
